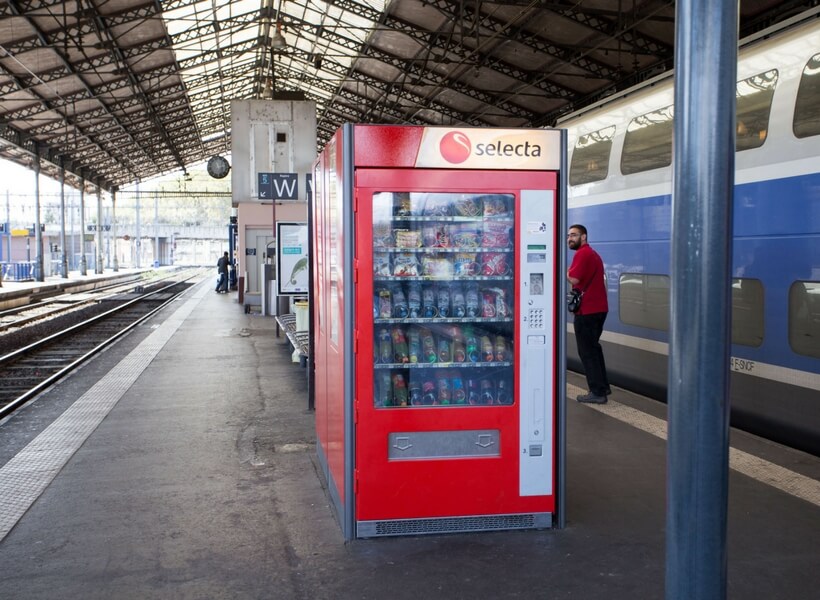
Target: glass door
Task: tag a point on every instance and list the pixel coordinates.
(443, 300)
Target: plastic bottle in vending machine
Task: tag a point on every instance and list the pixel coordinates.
(471, 345)
(428, 346)
(428, 301)
(400, 309)
(443, 386)
(473, 394)
(414, 344)
(399, 390)
(415, 392)
(471, 301)
(428, 392)
(459, 302)
(459, 393)
(503, 393)
(445, 349)
(487, 392)
(385, 347)
(400, 351)
(414, 299)
(443, 301)
(459, 349)
(384, 391)
(487, 349)
(501, 348)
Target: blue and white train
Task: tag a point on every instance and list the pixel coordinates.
(620, 187)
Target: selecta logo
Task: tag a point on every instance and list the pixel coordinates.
(455, 147)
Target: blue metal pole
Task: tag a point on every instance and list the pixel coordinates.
(699, 350)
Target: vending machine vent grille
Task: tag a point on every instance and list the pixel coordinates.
(453, 525)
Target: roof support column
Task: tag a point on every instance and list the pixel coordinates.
(83, 262)
(63, 254)
(116, 264)
(699, 348)
(39, 275)
(98, 263)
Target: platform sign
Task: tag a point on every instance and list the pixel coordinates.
(278, 186)
(292, 258)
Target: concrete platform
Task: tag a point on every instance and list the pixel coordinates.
(181, 464)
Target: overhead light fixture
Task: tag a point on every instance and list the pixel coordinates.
(278, 41)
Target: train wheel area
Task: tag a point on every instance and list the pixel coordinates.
(181, 462)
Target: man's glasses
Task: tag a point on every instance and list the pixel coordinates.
(573, 235)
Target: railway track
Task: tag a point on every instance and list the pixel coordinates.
(28, 370)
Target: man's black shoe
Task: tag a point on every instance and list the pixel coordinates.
(591, 398)
(608, 391)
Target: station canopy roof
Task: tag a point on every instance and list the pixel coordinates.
(119, 91)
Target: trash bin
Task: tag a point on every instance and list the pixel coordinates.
(300, 307)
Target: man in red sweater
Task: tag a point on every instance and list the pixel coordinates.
(586, 273)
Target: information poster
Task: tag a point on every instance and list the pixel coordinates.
(292, 258)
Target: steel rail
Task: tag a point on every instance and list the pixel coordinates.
(53, 378)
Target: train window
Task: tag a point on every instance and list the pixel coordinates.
(807, 106)
(643, 300)
(648, 142)
(747, 312)
(590, 159)
(804, 318)
(754, 103)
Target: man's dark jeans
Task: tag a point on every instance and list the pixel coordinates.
(588, 329)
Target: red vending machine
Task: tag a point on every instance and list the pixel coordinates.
(438, 322)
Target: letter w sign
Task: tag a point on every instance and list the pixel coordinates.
(278, 186)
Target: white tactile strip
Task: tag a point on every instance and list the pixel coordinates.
(783, 479)
(25, 476)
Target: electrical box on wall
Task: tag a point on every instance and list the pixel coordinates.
(270, 136)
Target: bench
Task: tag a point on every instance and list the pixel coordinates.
(299, 340)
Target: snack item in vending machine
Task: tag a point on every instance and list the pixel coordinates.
(408, 238)
(405, 265)
(385, 346)
(400, 309)
(414, 300)
(439, 267)
(494, 264)
(399, 390)
(473, 394)
(382, 234)
(459, 393)
(402, 206)
(400, 351)
(468, 206)
(443, 301)
(487, 350)
(487, 392)
(495, 205)
(459, 302)
(428, 301)
(428, 346)
(443, 388)
(466, 236)
(428, 392)
(471, 300)
(496, 235)
(414, 344)
(465, 265)
(384, 395)
(381, 265)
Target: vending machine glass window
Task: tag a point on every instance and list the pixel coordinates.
(443, 299)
